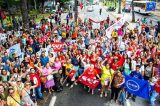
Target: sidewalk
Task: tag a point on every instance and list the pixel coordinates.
(156, 13)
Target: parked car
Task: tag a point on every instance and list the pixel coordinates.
(111, 9)
(127, 10)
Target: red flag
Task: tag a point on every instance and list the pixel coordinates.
(89, 81)
(3, 16)
(71, 75)
(57, 46)
(81, 5)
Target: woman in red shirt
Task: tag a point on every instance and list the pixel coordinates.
(91, 73)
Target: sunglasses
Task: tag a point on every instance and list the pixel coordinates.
(18, 81)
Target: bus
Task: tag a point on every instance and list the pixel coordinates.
(144, 7)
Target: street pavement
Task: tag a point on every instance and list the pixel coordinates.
(78, 96)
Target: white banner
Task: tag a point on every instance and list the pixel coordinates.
(96, 25)
(116, 25)
(15, 49)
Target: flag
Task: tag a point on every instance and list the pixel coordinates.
(88, 81)
(71, 75)
(57, 46)
(137, 87)
(3, 16)
(15, 49)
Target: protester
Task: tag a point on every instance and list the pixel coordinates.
(118, 80)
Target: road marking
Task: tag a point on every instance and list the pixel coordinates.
(53, 101)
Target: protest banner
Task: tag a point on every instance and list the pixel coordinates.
(15, 49)
(57, 46)
(116, 25)
(71, 75)
(89, 81)
(137, 87)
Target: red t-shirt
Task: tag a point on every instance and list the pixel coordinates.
(35, 77)
(114, 66)
(157, 86)
(92, 73)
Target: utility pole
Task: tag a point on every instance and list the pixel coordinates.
(133, 14)
(75, 11)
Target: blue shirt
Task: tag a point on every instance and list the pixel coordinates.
(6, 67)
(44, 60)
(4, 59)
(136, 74)
(86, 41)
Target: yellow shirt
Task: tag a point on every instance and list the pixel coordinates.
(12, 102)
(68, 66)
(106, 73)
(64, 34)
(114, 34)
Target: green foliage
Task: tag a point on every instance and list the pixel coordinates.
(63, 1)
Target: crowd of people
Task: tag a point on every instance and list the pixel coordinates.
(23, 79)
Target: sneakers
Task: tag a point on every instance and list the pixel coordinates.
(71, 86)
(105, 95)
(67, 85)
(75, 83)
(112, 101)
(101, 95)
(92, 92)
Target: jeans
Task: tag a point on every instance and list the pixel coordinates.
(153, 98)
(38, 92)
(122, 97)
(81, 70)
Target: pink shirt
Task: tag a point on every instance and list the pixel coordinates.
(47, 71)
(57, 65)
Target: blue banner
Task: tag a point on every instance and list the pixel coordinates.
(137, 87)
(150, 6)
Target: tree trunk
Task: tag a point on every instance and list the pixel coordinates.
(133, 14)
(9, 12)
(35, 5)
(24, 12)
(119, 9)
(76, 11)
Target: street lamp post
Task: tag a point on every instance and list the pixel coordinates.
(133, 14)
(76, 11)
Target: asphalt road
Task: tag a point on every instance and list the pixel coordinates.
(78, 96)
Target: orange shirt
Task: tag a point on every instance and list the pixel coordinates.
(74, 35)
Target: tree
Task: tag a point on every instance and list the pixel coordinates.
(25, 17)
(35, 4)
(119, 9)
(133, 14)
